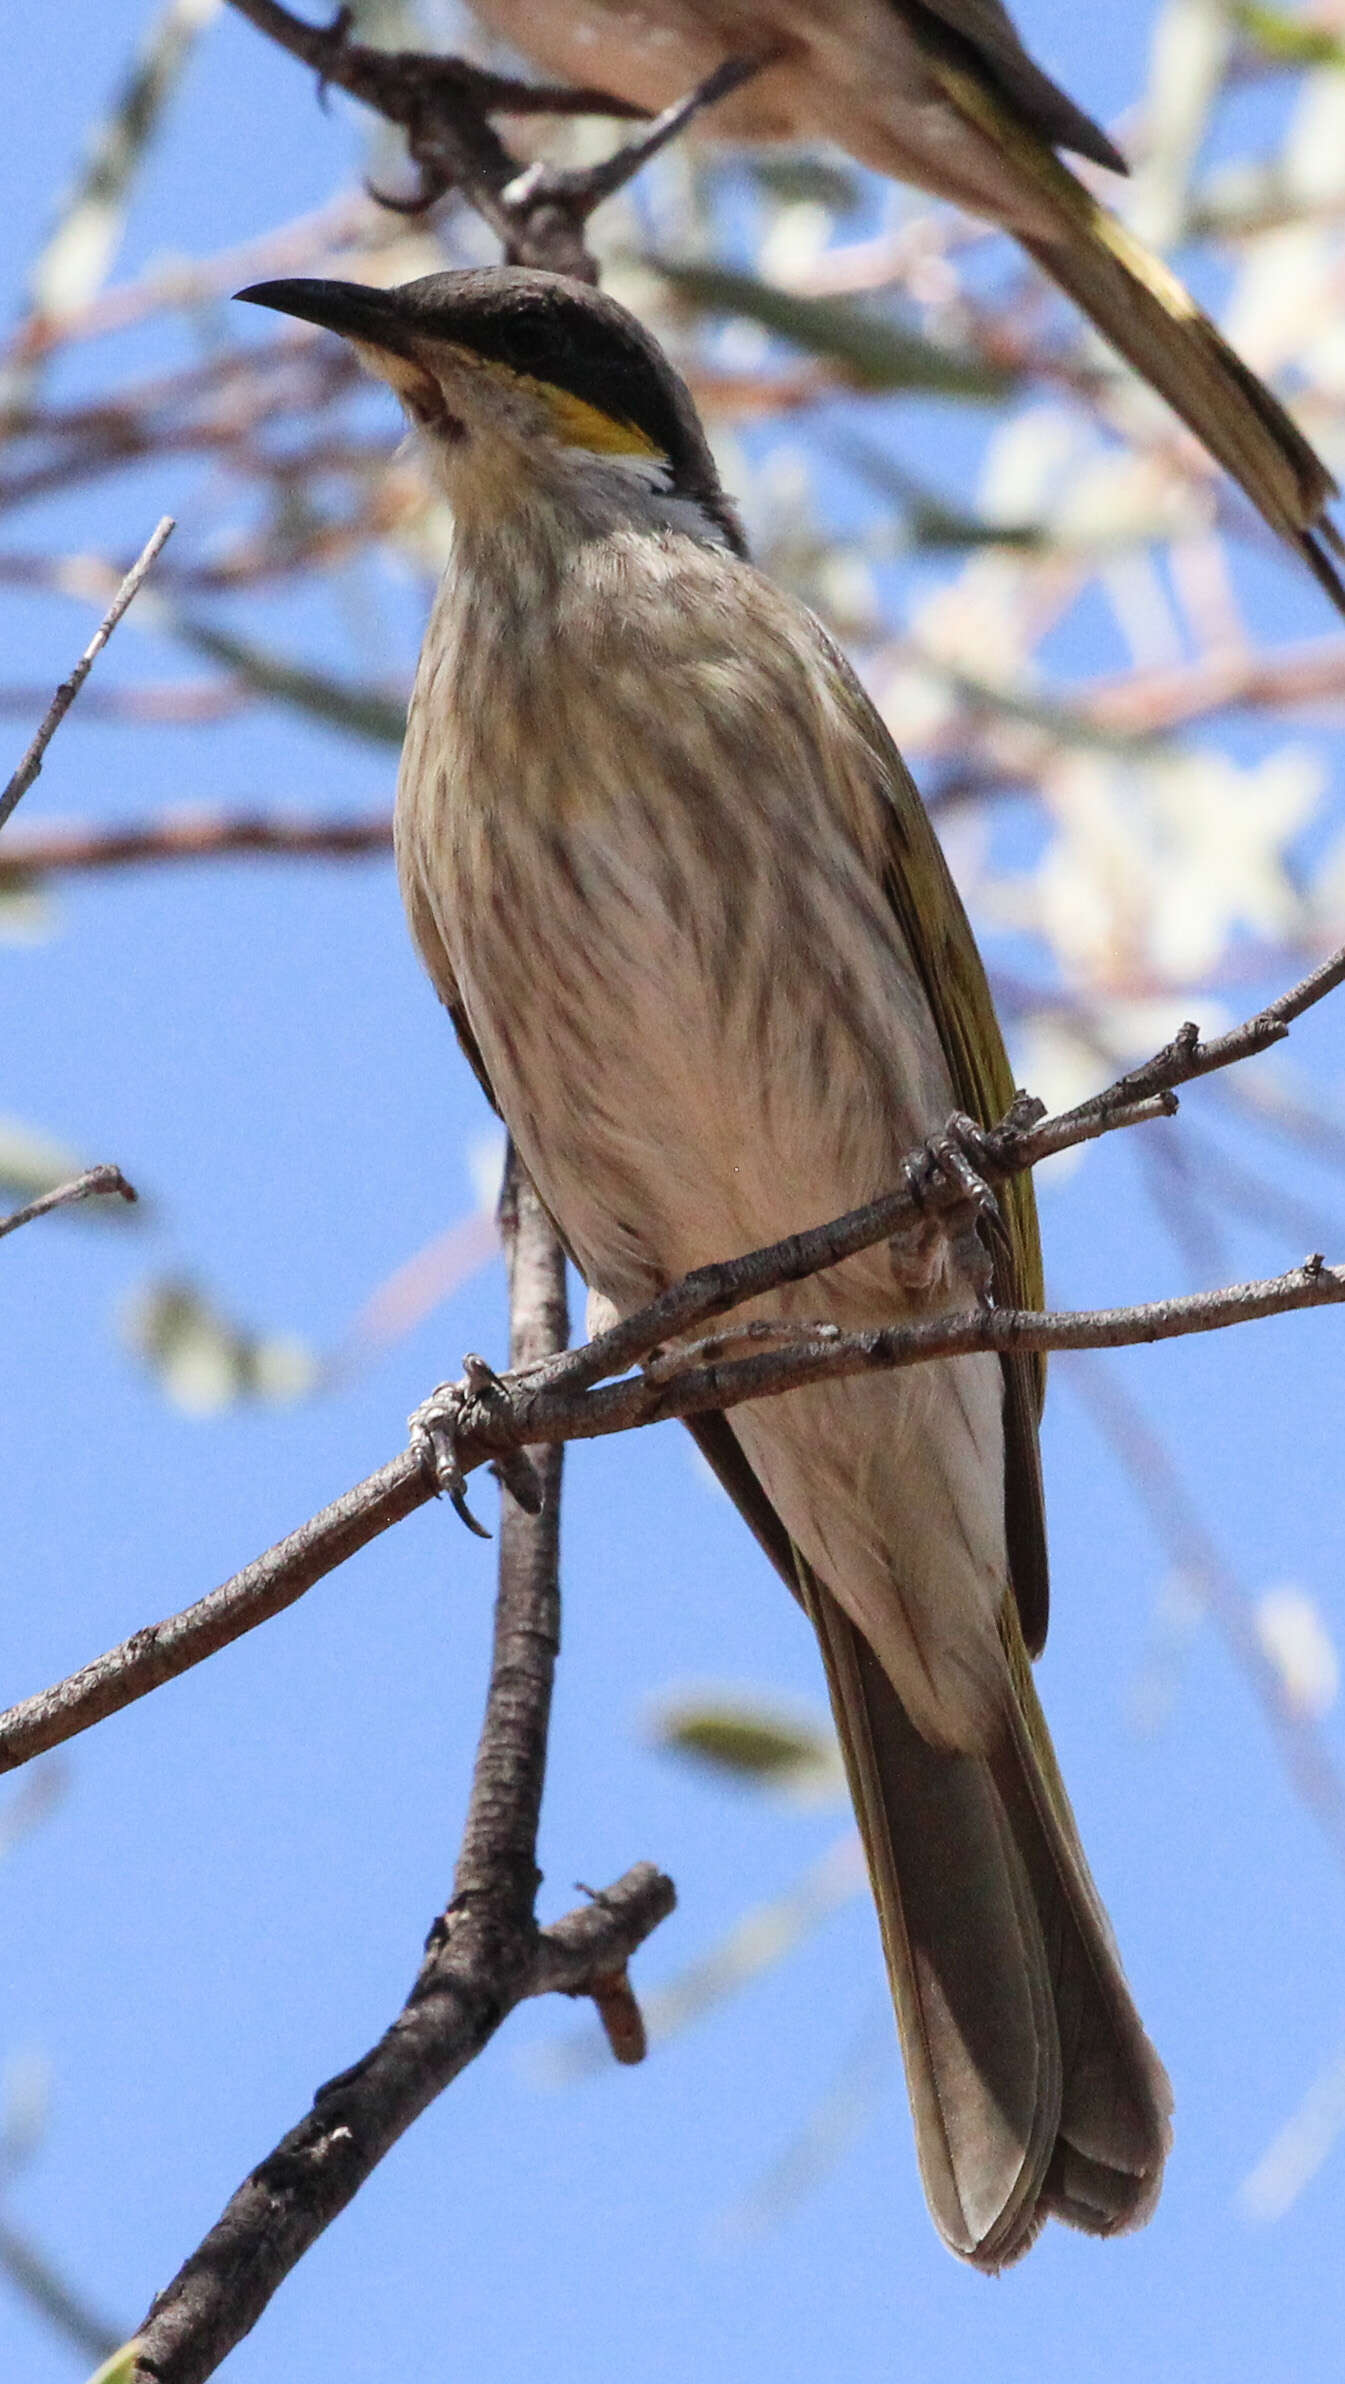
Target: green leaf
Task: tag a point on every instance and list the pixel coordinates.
(206, 1363)
(798, 177)
(1289, 41)
(875, 350)
(364, 711)
(931, 523)
(750, 1740)
(120, 2368)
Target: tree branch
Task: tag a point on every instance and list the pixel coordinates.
(484, 1953)
(69, 688)
(529, 1409)
(449, 2017)
(90, 1186)
(189, 836)
(444, 107)
(556, 1400)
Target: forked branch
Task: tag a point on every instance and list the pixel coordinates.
(589, 1393)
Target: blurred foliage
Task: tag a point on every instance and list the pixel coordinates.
(203, 1361)
(876, 351)
(743, 1738)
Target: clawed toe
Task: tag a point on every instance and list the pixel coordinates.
(455, 1408)
(959, 1211)
(435, 1428)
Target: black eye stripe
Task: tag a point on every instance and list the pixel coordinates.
(580, 341)
(555, 344)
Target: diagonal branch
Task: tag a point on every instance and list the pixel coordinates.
(69, 688)
(94, 1182)
(529, 1409)
(450, 2016)
(555, 1400)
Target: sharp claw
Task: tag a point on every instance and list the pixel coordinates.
(434, 1428)
(457, 1498)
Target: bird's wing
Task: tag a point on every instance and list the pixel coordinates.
(988, 38)
(928, 908)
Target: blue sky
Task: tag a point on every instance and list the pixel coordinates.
(228, 1903)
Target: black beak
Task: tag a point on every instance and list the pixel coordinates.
(355, 309)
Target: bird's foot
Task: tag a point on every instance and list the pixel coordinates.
(959, 1214)
(440, 1423)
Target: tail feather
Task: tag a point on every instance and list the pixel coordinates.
(1148, 316)
(1033, 2086)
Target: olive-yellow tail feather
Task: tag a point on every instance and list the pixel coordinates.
(1147, 315)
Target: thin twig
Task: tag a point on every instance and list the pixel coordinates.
(69, 688)
(1194, 1552)
(89, 1186)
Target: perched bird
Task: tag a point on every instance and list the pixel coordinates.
(942, 93)
(668, 872)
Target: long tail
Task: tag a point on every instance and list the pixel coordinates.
(1145, 313)
(1034, 2088)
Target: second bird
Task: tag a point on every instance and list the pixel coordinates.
(942, 94)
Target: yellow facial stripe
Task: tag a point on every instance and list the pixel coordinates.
(582, 425)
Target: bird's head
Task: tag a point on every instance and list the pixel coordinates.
(524, 385)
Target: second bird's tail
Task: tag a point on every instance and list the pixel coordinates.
(1147, 315)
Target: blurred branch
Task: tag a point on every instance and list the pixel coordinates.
(489, 1419)
(69, 688)
(1194, 1552)
(31, 2274)
(90, 1186)
(485, 1952)
(74, 260)
(1147, 702)
(188, 836)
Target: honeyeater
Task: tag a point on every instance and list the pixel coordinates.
(942, 94)
(669, 873)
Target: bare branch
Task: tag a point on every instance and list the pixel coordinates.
(267, 1586)
(536, 1407)
(451, 2014)
(444, 107)
(1022, 1140)
(69, 688)
(190, 836)
(554, 1400)
(89, 1186)
(497, 1862)
(484, 1953)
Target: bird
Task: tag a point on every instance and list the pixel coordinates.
(671, 878)
(943, 94)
